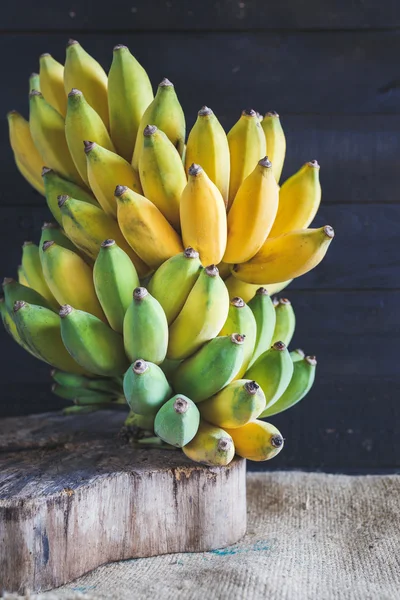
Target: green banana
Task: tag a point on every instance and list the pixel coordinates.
(135, 421)
(34, 82)
(276, 142)
(71, 380)
(11, 327)
(297, 355)
(21, 276)
(210, 446)
(285, 321)
(300, 384)
(202, 316)
(83, 396)
(241, 318)
(272, 371)
(33, 272)
(55, 186)
(264, 313)
(211, 368)
(169, 367)
(145, 328)
(235, 405)
(166, 113)
(129, 94)
(177, 421)
(13, 291)
(115, 278)
(40, 328)
(51, 232)
(93, 344)
(145, 387)
(84, 410)
(173, 281)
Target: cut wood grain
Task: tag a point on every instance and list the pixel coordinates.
(68, 509)
(208, 15)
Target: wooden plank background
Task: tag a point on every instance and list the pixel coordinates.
(332, 72)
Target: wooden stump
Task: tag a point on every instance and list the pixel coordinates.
(72, 499)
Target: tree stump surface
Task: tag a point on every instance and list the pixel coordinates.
(75, 495)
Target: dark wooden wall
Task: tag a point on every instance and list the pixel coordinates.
(331, 69)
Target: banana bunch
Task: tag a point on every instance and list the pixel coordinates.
(153, 284)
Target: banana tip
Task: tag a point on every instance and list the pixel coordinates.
(251, 387)
(61, 200)
(149, 130)
(280, 346)
(108, 243)
(238, 302)
(181, 405)
(313, 163)
(195, 170)
(262, 291)
(165, 83)
(329, 231)
(205, 111)
(88, 146)
(249, 112)
(265, 162)
(139, 366)
(120, 190)
(211, 270)
(120, 47)
(65, 310)
(139, 293)
(238, 338)
(312, 360)
(224, 444)
(277, 441)
(46, 170)
(47, 245)
(272, 113)
(71, 42)
(18, 304)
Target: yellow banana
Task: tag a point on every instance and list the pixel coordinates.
(34, 182)
(276, 142)
(48, 133)
(162, 174)
(11, 327)
(203, 217)
(241, 318)
(33, 272)
(52, 83)
(34, 82)
(299, 200)
(202, 316)
(166, 113)
(224, 270)
(105, 171)
(129, 94)
(22, 277)
(145, 228)
(246, 291)
(25, 152)
(257, 440)
(88, 226)
(83, 123)
(287, 256)
(70, 279)
(252, 213)
(210, 446)
(83, 72)
(246, 146)
(208, 146)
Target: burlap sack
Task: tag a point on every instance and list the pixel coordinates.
(310, 536)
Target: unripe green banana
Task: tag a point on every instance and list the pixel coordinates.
(33, 271)
(93, 344)
(115, 278)
(162, 174)
(83, 410)
(34, 82)
(40, 328)
(145, 387)
(257, 440)
(264, 313)
(70, 279)
(11, 327)
(144, 422)
(13, 291)
(202, 316)
(177, 421)
(297, 355)
(129, 94)
(52, 232)
(208, 146)
(145, 328)
(169, 367)
(71, 380)
(235, 405)
(285, 321)
(210, 446)
(276, 142)
(22, 277)
(211, 368)
(82, 396)
(299, 386)
(48, 133)
(273, 371)
(166, 113)
(240, 318)
(173, 281)
(55, 186)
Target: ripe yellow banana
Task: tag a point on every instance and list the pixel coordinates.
(83, 123)
(166, 113)
(252, 213)
(52, 83)
(202, 316)
(70, 279)
(34, 182)
(162, 174)
(83, 72)
(48, 133)
(33, 272)
(210, 446)
(203, 217)
(257, 441)
(287, 256)
(51, 232)
(241, 318)
(276, 142)
(247, 146)
(208, 146)
(299, 200)
(105, 171)
(129, 94)
(26, 154)
(88, 226)
(246, 291)
(145, 228)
